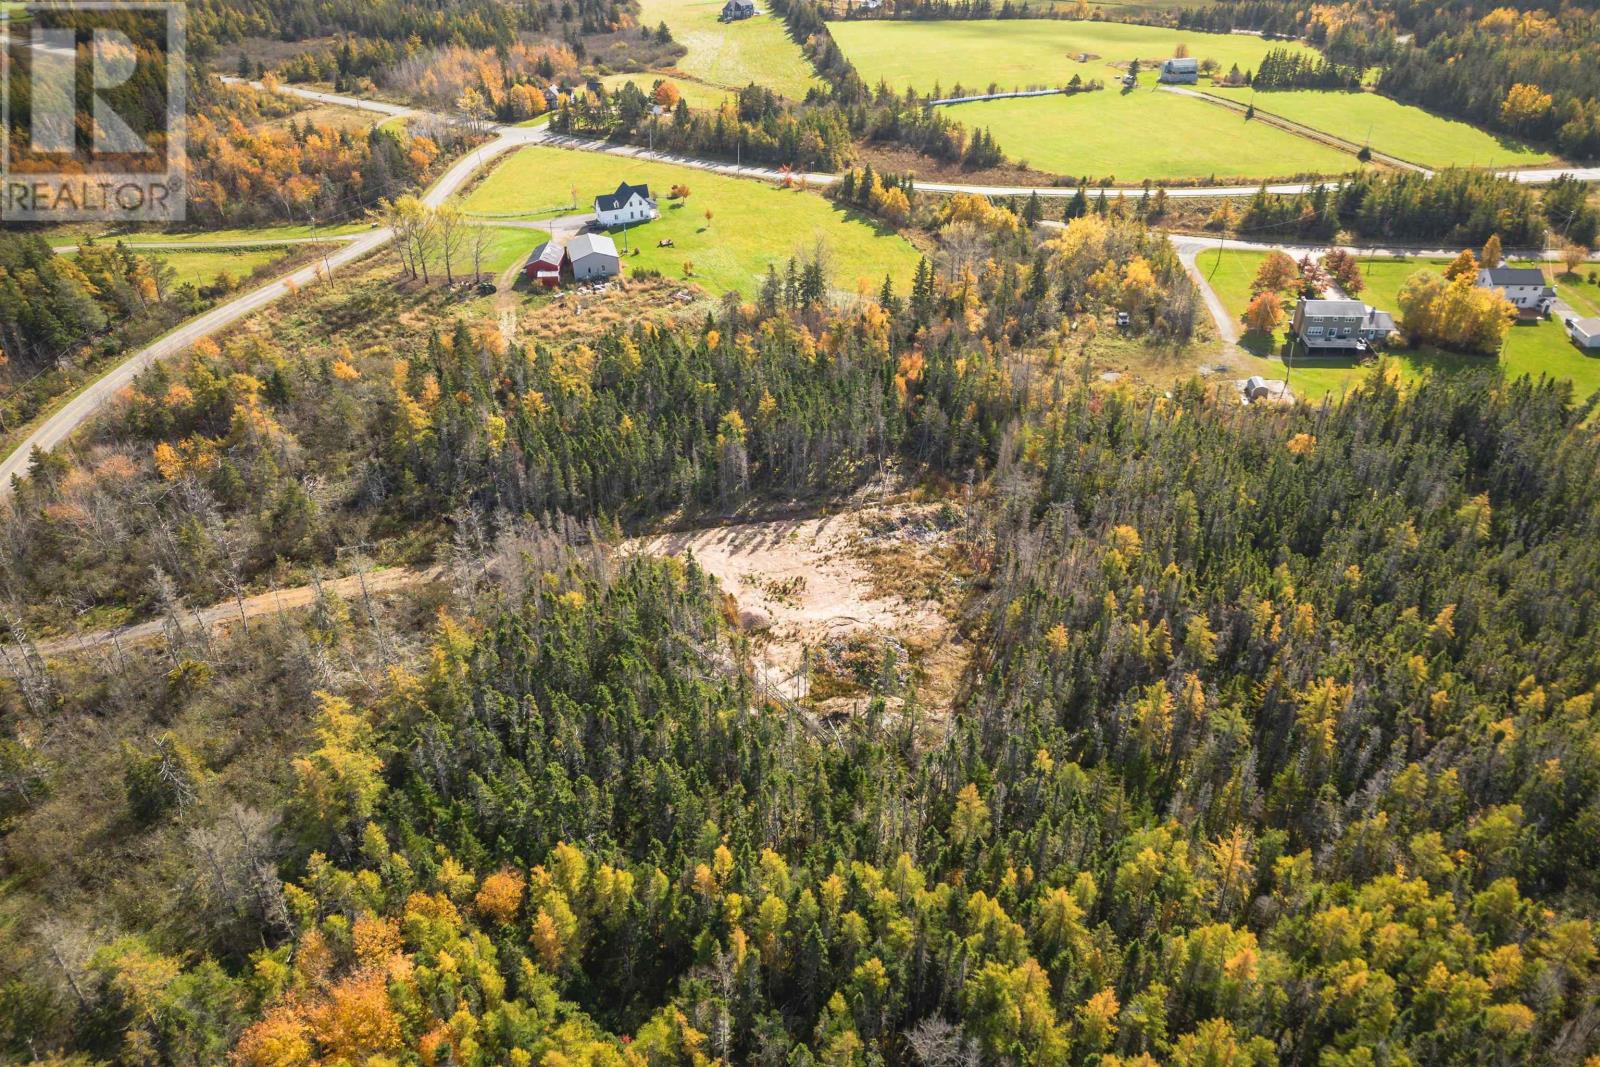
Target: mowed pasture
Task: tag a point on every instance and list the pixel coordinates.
(1019, 52)
(1145, 134)
(752, 225)
(1532, 349)
(733, 54)
(1400, 130)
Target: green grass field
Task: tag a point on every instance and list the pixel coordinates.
(1403, 131)
(1019, 52)
(1579, 291)
(752, 224)
(1145, 134)
(699, 95)
(204, 268)
(732, 54)
(1531, 349)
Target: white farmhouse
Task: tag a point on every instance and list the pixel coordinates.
(628, 206)
(1525, 287)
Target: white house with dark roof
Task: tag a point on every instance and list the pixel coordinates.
(1525, 287)
(1183, 70)
(1341, 325)
(628, 206)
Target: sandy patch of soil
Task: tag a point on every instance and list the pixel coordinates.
(829, 601)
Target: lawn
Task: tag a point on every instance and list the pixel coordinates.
(204, 268)
(1532, 349)
(1145, 134)
(698, 95)
(732, 54)
(1400, 130)
(1020, 52)
(753, 224)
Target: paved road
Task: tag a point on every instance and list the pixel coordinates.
(59, 426)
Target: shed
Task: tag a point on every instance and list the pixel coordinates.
(544, 266)
(592, 256)
(734, 10)
(1585, 333)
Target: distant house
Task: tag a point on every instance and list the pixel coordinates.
(1525, 287)
(552, 98)
(1180, 71)
(544, 266)
(628, 205)
(1585, 333)
(592, 256)
(734, 10)
(1340, 325)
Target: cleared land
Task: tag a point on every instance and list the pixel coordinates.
(835, 589)
(752, 224)
(204, 268)
(1397, 129)
(1019, 52)
(1532, 349)
(1145, 134)
(732, 54)
(696, 94)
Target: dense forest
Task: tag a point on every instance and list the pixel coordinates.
(1310, 777)
(1452, 207)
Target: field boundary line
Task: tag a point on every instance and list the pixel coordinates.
(1299, 129)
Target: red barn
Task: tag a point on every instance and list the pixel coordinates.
(544, 266)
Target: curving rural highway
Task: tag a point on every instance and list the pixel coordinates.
(61, 425)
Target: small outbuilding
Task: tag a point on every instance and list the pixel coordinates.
(1585, 333)
(544, 266)
(592, 257)
(1180, 71)
(734, 10)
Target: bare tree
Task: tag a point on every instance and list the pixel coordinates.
(450, 224)
(479, 244)
(938, 1043)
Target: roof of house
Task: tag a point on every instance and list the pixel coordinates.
(1514, 275)
(591, 244)
(739, 5)
(1181, 63)
(1334, 309)
(1380, 320)
(624, 193)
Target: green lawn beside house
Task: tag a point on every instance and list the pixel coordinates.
(753, 224)
(1531, 349)
(732, 54)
